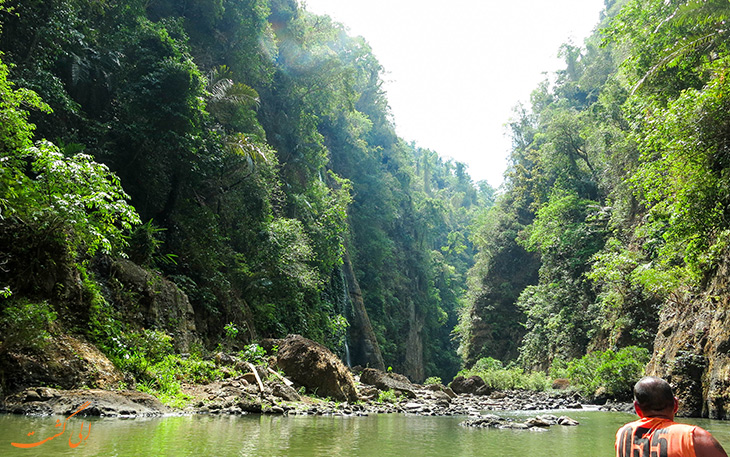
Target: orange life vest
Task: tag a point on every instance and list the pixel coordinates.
(655, 437)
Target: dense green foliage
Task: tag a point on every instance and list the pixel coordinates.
(609, 374)
(616, 200)
(244, 148)
(605, 373)
(500, 377)
(26, 325)
(254, 142)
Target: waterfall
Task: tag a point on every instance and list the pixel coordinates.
(347, 354)
(344, 308)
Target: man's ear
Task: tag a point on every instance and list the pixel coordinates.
(676, 405)
(638, 410)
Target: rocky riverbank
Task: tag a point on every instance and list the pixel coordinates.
(45, 401)
(238, 397)
(304, 378)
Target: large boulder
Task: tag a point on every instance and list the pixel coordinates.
(388, 381)
(315, 367)
(285, 392)
(441, 389)
(472, 385)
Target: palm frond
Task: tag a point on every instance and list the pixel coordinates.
(218, 89)
(242, 145)
(677, 53)
(705, 24)
(243, 94)
(701, 12)
(222, 89)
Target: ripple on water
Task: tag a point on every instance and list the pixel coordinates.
(381, 435)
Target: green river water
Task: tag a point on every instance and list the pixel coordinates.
(386, 435)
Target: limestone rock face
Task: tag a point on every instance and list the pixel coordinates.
(683, 349)
(154, 302)
(692, 349)
(315, 367)
(68, 361)
(365, 348)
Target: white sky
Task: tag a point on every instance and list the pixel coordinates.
(456, 69)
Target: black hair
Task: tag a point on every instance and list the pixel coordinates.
(653, 394)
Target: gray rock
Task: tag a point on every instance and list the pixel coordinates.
(567, 421)
(537, 422)
(285, 392)
(84, 402)
(515, 426)
(442, 389)
(548, 419)
(412, 407)
(471, 385)
(388, 381)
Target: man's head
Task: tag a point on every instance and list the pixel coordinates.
(654, 397)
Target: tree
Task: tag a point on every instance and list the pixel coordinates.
(683, 181)
(51, 202)
(703, 26)
(567, 232)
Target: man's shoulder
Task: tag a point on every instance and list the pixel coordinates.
(706, 444)
(672, 426)
(681, 427)
(629, 427)
(633, 424)
(654, 423)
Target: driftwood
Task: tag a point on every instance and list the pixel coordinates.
(283, 379)
(258, 379)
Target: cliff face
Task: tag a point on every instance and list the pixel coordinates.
(365, 348)
(142, 299)
(151, 301)
(67, 361)
(692, 349)
(413, 366)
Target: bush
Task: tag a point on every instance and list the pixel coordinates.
(253, 353)
(432, 380)
(163, 378)
(74, 195)
(138, 351)
(499, 377)
(230, 333)
(614, 372)
(558, 369)
(387, 396)
(25, 325)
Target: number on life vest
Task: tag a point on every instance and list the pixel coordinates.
(641, 444)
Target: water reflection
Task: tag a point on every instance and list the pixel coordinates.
(381, 436)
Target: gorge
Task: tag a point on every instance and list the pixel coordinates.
(182, 181)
